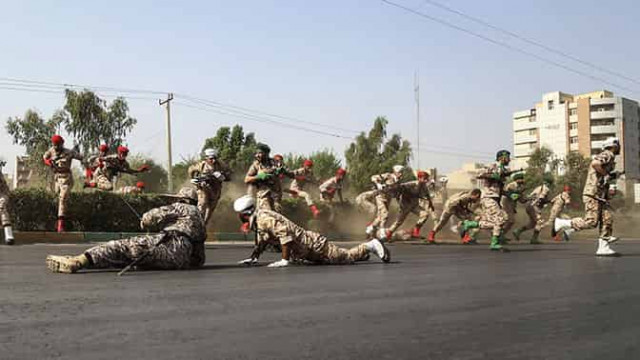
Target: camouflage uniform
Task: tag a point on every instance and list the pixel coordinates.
(130, 190)
(383, 197)
(366, 201)
(300, 178)
(329, 188)
(181, 223)
(209, 192)
(93, 163)
(492, 215)
(268, 192)
(536, 201)
(509, 205)
(593, 188)
(112, 166)
(459, 205)
(63, 177)
(558, 204)
(303, 244)
(5, 219)
(414, 198)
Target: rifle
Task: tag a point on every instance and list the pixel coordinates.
(206, 179)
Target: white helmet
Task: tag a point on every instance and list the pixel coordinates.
(209, 153)
(610, 142)
(244, 204)
(398, 168)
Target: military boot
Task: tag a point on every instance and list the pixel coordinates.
(517, 233)
(534, 238)
(67, 264)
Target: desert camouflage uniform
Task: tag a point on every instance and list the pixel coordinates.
(414, 198)
(492, 215)
(210, 191)
(536, 201)
(302, 176)
(329, 188)
(5, 219)
(383, 197)
(303, 244)
(112, 166)
(459, 205)
(268, 193)
(366, 201)
(184, 248)
(509, 205)
(593, 188)
(558, 204)
(130, 190)
(62, 174)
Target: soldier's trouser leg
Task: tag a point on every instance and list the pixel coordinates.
(553, 214)
(534, 217)
(493, 217)
(276, 200)
(264, 200)
(423, 216)
(174, 254)
(444, 218)
(405, 209)
(590, 219)
(307, 198)
(537, 216)
(103, 183)
(216, 192)
(203, 201)
(5, 219)
(337, 255)
(382, 207)
(510, 211)
(64, 185)
(366, 202)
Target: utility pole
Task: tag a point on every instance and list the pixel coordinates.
(169, 170)
(416, 90)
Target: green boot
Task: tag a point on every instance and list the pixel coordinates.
(495, 243)
(466, 225)
(517, 233)
(534, 238)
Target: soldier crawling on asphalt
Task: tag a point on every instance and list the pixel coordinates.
(298, 244)
(179, 244)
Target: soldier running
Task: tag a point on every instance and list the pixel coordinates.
(330, 188)
(113, 166)
(298, 244)
(94, 162)
(59, 159)
(263, 182)
(385, 191)
(5, 218)
(536, 201)
(512, 194)
(492, 216)
(179, 244)
(597, 210)
(558, 204)
(301, 177)
(208, 176)
(414, 198)
(460, 205)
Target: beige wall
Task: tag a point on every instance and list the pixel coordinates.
(584, 127)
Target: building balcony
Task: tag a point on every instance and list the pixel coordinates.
(573, 147)
(573, 132)
(524, 125)
(520, 139)
(595, 115)
(604, 129)
(520, 152)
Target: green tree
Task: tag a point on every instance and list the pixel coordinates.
(371, 154)
(539, 163)
(180, 171)
(92, 121)
(233, 147)
(155, 180)
(576, 168)
(34, 133)
(325, 163)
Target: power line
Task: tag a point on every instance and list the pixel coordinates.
(66, 85)
(506, 45)
(531, 41)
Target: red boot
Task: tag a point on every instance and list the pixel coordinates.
(467, 239)
(314, 211)
(60, 225)
(244, 228)
(431, 237)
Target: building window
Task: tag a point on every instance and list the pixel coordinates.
(603, 122)
(533, 145)
(550, 104)
(532, 119)
(533, 132)
(603, 107)
(573, 140)
(573, 126)
(573, 111)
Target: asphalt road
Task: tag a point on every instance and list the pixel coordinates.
(553, 301)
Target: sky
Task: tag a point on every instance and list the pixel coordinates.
(337, 63)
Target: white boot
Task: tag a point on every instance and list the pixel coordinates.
(604, 249)
(369, 230)
(8, 235)
(378, 248)
(563, 225)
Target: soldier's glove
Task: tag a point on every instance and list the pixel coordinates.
(514, 196)
(249, 261)
(48, 162)
(218, 175)
(262, 176)
(279, 264)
